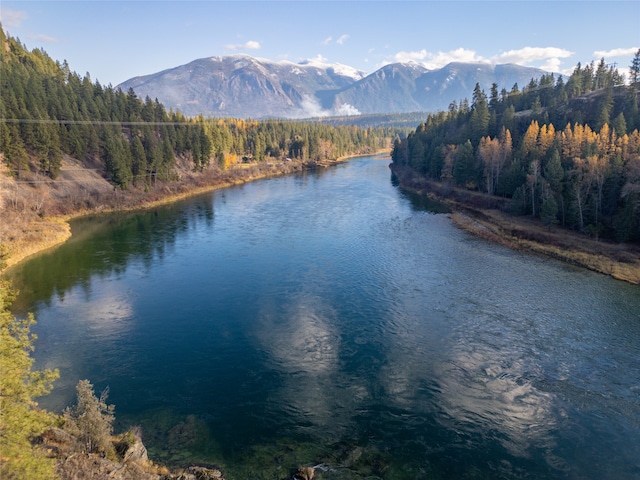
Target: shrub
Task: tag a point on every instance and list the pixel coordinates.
(91, 420)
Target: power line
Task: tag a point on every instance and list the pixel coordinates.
(93, 122)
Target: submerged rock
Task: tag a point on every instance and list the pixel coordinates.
(304, 473)
(200, 473)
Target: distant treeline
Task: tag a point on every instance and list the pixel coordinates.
(567, 152)
(46, 110)
(404, 122)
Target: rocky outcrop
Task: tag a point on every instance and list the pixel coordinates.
(131, 448)
(132, 462)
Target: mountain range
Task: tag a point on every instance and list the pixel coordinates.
(242, 86)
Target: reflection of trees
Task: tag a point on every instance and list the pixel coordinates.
(103, 245)
(423, 203)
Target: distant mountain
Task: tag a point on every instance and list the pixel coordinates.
(243, 86)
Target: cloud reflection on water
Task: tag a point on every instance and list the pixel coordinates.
(91, 317)
(302, 344)
(473, 379)
(483, 391)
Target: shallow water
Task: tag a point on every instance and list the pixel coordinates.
(329, 319)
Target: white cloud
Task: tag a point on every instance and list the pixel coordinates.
(317, 60)
(39, 37)
(548, 58)
(527, 55)
(346, 109)
(404, 57)
(250, 45)
(439, 59)
(616, 52)
(12, 18)
(552, 65)
(310, 108)
(459, 55)
(342, 39)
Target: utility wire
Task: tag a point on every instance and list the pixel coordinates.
(92, 122)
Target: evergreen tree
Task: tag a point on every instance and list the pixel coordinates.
(634, 69)
(619, 125)
(91, 420)
(138, 160)
(553, 172)
(480, 116)
(604, 108)
(20, 418)
(549, 211)
(465, 171)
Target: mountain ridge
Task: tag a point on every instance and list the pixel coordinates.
(249, 87)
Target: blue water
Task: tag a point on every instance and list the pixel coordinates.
(328, 319)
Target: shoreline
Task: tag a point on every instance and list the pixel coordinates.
(484, 217)
(49, 232)
(621, 262)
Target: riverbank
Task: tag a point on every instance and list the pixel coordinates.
(487, 217)
(36, 213)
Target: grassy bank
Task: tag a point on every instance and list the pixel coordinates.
(487, 217)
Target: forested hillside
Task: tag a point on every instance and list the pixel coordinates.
(46, 111)
(567, 152)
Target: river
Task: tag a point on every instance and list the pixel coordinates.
(329, 319)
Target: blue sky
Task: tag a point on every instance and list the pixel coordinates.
(114, 40)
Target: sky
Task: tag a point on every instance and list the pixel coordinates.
(114, 41)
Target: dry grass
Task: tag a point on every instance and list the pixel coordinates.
(619, 261)
(73, 464)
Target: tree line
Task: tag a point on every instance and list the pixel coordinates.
(46, 111)
(564, 152)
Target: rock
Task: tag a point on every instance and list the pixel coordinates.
(56, 442)
(353, 457)
(136, 452)
(201, 473)
(304, 473)
(131, 448)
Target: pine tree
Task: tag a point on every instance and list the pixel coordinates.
(634, 69)
(480, 115)
(619, 124)
(91, 420)
(549, 211)
(20, 418)
(138, 160)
